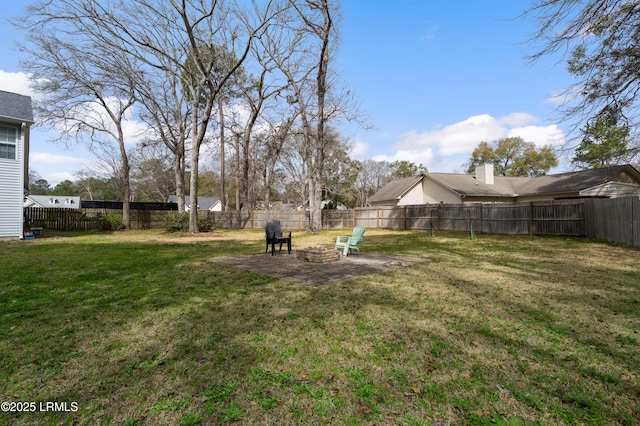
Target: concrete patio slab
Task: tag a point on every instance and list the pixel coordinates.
(287, 267)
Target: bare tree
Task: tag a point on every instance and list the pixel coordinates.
(151, 173)
(295, 166)
(302, 55)
(372, 176)
(271, 145)
(166, 113)
(305, 55)
(76, 74)
(143, 29)
(599, 40)
(255, 93)
(318, 26)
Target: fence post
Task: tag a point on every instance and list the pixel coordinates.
(378, 217)
(633, 231)
(405, 217)
(530, 217)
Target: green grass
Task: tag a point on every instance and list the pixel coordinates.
(144, 328)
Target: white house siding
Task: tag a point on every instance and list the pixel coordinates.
(413, 196)
(12, 193)
(612, 190)
(435, 193)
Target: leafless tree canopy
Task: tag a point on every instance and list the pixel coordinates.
(259, 72)
(600, 41)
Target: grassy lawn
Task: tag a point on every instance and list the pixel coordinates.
(144, 328)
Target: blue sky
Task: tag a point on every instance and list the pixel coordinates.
(435, 77)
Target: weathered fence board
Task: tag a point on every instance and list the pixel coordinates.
(559, 218)
(59, 219)
(87, 219)
(616, 220)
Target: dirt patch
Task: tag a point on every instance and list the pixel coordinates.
(288, 267)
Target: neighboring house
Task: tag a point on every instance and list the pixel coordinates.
(16, 118)
(484, 187)
(204, 203)
(52, 201)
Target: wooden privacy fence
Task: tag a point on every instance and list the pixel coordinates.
(566, 217)
(61, 219)
(611, 219)
(533, 218)
(256, 219)
(616, 220)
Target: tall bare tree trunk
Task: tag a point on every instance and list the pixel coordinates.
(193, 184)
(178, 169)
(126, 188)
(237, 173)
(223, 196)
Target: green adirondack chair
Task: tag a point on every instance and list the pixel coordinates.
(346, 243)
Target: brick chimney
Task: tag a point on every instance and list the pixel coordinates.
(484, 173)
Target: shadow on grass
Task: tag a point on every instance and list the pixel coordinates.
(160, 333)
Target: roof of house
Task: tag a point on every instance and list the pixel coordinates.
(575, 181)
(204, 203)
(467, 185)
(395, 189)
(15, 107)
(55, 201)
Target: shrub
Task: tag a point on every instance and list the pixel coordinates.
(179, 222)
(109, 221)
(176, 221)
(205, 224)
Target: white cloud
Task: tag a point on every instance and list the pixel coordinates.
(540, 135)
(445, 149)
(47, 158)
(457, 138)
(55, 178)
(16, 82)
(517, 119)
(358, 148)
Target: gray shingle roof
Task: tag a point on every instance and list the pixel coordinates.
(467, 185)
(15, 107)
(575, 181)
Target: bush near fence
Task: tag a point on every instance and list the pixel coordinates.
(616, 220)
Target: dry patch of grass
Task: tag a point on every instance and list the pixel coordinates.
(146, 328)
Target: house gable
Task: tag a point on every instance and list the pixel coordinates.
(394, 191)
(437, 192)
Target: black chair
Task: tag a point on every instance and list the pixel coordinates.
(274, 236)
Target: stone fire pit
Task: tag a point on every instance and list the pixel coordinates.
(318, 255)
